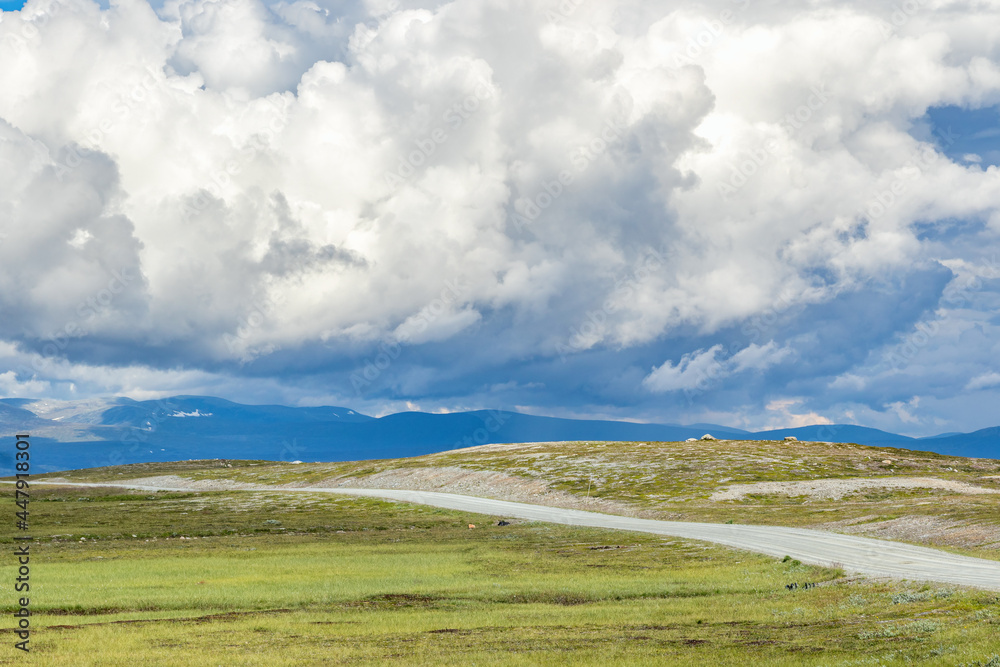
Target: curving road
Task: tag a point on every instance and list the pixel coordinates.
(860, 555)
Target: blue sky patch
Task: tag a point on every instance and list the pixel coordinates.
(967, 136)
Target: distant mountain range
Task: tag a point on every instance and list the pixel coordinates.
(99, 432)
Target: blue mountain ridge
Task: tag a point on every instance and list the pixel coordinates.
(122, 430)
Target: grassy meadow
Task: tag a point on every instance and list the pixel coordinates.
(675, 481)
(263, 578)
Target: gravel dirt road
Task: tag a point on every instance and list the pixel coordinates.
(859, 555)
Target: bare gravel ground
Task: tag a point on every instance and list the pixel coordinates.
(834, 489)
(173, 482)
(446, 480)
(929, 530)
(482, 483)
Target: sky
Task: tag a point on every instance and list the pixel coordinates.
(761, 214)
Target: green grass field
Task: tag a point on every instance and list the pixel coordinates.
(674, 481)
(251, 578)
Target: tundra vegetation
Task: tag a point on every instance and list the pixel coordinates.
(677, 481)
(269, 578)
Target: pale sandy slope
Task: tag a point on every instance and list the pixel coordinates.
(861, 555)
(833, 489)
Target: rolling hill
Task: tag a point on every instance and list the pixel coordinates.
(100, 432)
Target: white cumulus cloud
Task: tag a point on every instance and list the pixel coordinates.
(217, 185)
